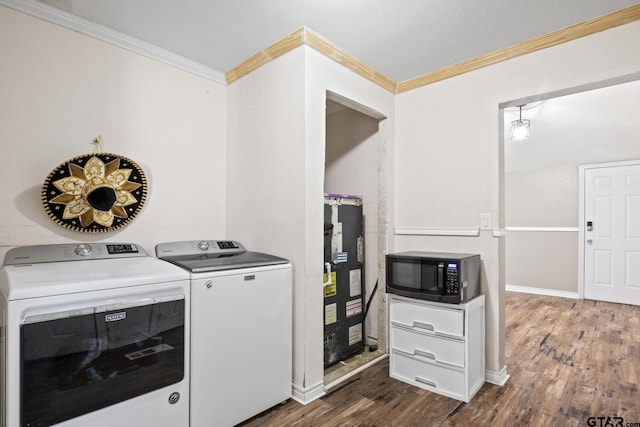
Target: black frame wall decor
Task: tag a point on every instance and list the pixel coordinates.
(95, 193)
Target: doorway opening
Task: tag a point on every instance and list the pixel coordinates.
(354, 166)
(541, 178)
(539, 187)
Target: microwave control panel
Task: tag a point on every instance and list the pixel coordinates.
(453, 279)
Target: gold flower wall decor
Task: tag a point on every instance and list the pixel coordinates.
(95, 193)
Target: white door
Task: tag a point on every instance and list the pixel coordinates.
(611, 231)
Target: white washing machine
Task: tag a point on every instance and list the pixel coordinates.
(241, 329)
(93, 335)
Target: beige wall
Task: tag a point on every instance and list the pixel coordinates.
(541, 212)
(60, 89)
(546, 260)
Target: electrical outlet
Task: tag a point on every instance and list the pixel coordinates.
(485, 221)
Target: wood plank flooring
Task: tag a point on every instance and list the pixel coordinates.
(568, 360)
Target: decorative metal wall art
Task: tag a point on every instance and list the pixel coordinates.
(95, 193)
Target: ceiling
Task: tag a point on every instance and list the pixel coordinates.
(402, 39)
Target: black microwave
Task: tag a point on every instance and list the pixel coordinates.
(433, 276)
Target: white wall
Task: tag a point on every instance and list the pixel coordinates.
(276, 180)
(60, 89)
(351, 167)
(449, 155)
(266, 178)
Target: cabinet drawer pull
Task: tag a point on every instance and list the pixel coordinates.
(427, 382)
(420, 325)
(425, 354)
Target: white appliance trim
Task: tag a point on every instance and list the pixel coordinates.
(67, 20)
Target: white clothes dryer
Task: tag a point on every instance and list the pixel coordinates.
(241, 329)
(93, 335)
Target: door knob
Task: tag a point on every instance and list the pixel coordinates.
(589, 241)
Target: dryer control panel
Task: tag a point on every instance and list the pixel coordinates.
(199, 256)
(227, 244)
(198, 247)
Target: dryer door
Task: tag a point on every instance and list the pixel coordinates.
(79, 361)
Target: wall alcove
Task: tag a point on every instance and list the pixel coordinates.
(352, 166)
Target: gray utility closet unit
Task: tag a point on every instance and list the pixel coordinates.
(344, 299)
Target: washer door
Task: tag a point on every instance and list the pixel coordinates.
(79, 361)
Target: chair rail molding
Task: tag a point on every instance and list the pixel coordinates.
(543, 229)
(437, 231)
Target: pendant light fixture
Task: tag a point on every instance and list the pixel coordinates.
(521, 128)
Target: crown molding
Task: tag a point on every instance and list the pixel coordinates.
(586, 28)
(305, 36)
(279, 48)
(342, 57)
(67, 20)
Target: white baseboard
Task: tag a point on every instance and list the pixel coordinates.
(496, 377)
(542, 291)
(308, 394)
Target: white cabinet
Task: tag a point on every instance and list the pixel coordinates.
(438, 347)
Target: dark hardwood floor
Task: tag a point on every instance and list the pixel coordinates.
(569, 360)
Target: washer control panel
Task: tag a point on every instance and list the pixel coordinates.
(38, 254)
(124, 248)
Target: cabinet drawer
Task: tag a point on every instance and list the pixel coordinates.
(443, 380)
(428, 346)
(447, 321)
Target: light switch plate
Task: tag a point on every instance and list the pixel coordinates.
(485, 221)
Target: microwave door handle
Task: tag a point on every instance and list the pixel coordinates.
(441, 278)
